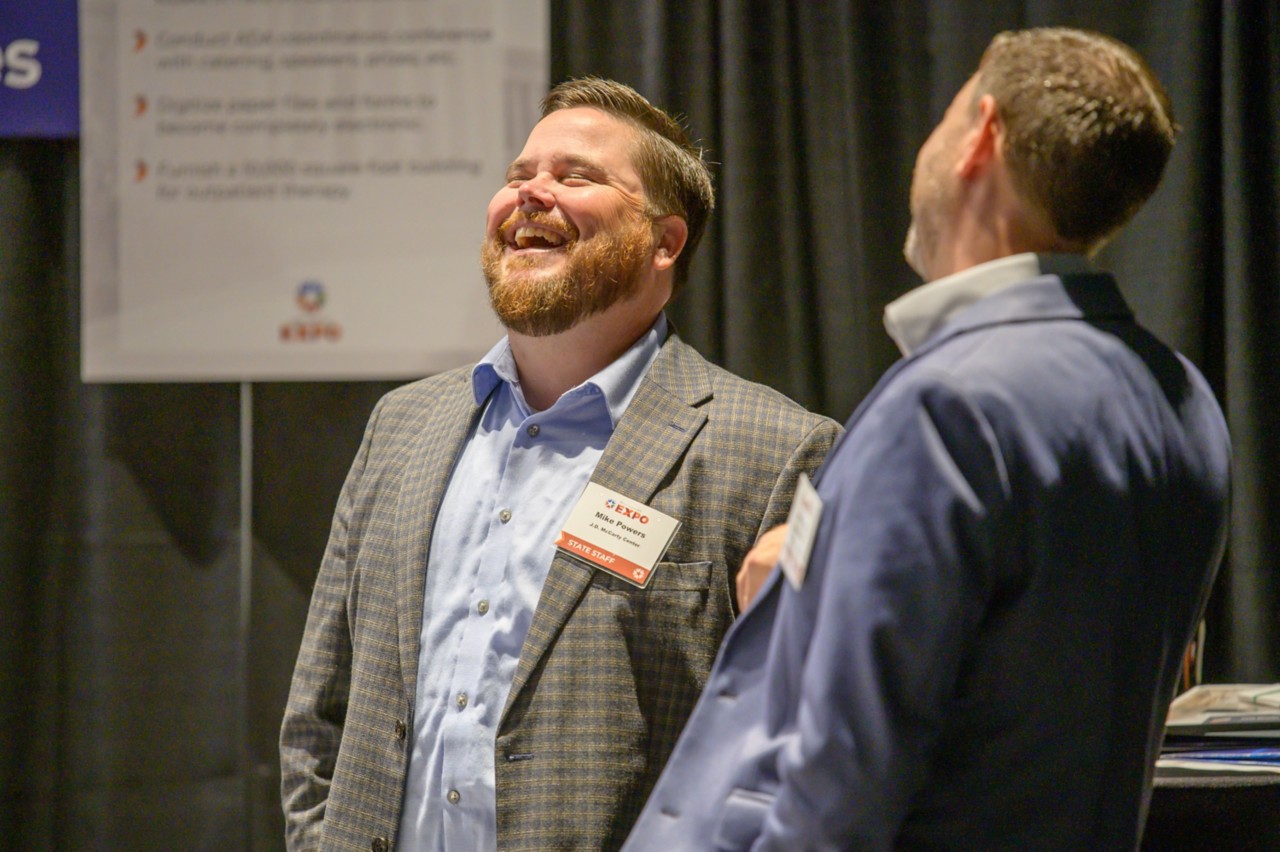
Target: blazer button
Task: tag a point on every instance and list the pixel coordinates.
(401, 730)
(379, 844)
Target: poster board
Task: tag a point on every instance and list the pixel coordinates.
(295, 189)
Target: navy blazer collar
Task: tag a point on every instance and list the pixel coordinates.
(1093, 297)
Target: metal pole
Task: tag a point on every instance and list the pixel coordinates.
(246, 604)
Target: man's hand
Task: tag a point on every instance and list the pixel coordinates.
(757, 564)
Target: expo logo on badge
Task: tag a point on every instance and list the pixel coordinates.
(615, 506)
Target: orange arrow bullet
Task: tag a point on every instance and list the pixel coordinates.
(139, 105)
(139, 40)
(141, 174)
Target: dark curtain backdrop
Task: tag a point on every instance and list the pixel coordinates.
(134, 715)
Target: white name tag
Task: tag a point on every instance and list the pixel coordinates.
(614, 533)
(802, 527)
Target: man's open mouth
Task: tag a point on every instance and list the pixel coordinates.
(532, 236)
(528, 235)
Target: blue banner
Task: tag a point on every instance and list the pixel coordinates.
(39, 68)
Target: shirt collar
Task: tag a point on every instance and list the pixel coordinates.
(915, 317)
(618, 382)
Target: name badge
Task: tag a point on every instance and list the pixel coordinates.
(802, 528)
(616, 534)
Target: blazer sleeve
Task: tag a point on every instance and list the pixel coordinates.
(311, 731)
(806, 458)
(898, 580)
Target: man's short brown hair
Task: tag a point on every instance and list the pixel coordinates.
(677, 179)
(1088, 127)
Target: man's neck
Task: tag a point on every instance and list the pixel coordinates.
(996, 230)
(548, 366)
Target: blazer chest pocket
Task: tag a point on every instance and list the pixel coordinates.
(681, 614)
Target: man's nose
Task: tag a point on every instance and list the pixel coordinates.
(536, 193)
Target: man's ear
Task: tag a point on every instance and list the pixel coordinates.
(672, 233)
(982, 143)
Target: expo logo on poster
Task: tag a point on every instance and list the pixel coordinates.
(310, 297)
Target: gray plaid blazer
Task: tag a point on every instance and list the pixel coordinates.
(608, 673)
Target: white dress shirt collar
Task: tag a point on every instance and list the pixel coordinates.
(914, 318)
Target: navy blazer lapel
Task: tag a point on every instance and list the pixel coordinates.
(653, 434)
(428, 465)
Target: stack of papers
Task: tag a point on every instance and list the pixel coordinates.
(1232, 727)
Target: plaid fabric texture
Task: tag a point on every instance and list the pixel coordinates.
(608, 673)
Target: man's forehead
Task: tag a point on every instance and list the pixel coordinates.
(583, 136)
(963, 101)
(588, 121)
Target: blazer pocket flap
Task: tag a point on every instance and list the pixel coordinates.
(681, 576)
(666, 577)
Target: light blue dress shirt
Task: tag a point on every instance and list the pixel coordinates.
(517, 479)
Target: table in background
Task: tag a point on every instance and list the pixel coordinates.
(1228, 811)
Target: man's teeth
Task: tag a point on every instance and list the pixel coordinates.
(531, 236)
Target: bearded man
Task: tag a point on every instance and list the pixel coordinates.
(975, 644)
(477, 672)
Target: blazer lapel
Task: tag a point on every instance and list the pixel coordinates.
(653, 434)
(428, 463)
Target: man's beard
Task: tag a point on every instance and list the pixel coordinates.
(934, 199)
(929, 198)
(913, 250)
(598, 273)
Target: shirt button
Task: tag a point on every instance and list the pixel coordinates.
(462, 700)
(401, 730)
(379, 844)
(482, 607)
(504, 515)
(454, 797)
(533, 430)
